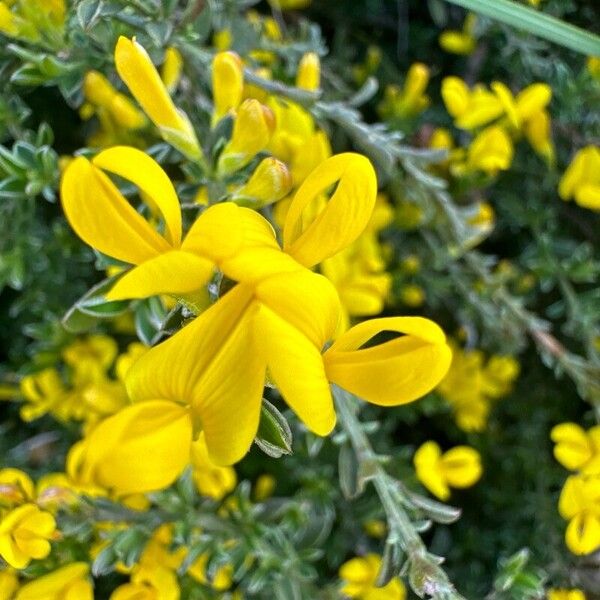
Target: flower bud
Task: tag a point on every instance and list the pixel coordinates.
(170, 72)
(227, 83)
(125, 113)
(270, 182)
(97, 89)
(309, 72)
(252, 130)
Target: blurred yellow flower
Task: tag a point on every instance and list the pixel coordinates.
(359, 579)
(579, 503)
(459, 467)
(211, 480)
(227, 84)
(575, 448)
(491, 151)
(564, 594)
(25, 532)
(463, 41)
(70, 582)
(581, 180)
(309, 72)
(409, 100)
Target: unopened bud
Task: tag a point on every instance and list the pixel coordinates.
(270, 182)
(309, 72)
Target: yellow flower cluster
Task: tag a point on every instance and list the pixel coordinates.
(279, 315)
(579, 503)
(86, 390)
(459, 467)
(473, 383)
(504, 119)
(359, 580)
(32, 20)
(563, 594)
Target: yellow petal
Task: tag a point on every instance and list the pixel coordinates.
(343, 219)
(508, 103)
(102, 218)
(215, 366)
(175, 272)
(142, 448)
(573, 448)
(461, 466)
(170, 71)
(309, 72)
(583, 533)
(533, 99)
(222, 231)
(455, 94)
(136, 166)
(395, 372)
(53, 583)
(141, 77)
(427, 466)
(227, 83)
(296, 367)
(305, 300)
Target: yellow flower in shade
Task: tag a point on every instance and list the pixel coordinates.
(16, 487)
(460, 42)
(32, 20)
(309, 72)
(9, 583)
(575, 448)
(459, 467)
(143, 80)
(579, 503)
(270, 182)
(43, 392)
(211, 480)
(528, 103)
(70, 582)
(470, 108)
(564, 594)
(24, 534)
(359, 577)
(105, 220)
(170, 71)
(412, 295)
(491, 151)
(410, 100)
(227, 84)
(581, 180)
(290, 4)
(252, 129)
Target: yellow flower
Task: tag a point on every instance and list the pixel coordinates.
(470, 108)
(412, 295)
(227, 84)
(579, 503)
(359, 577)
(157, 583)
(581, 180)
(24, 534)
(563, 594)
(141, 77)
(460, 42)
(576, 449)
(491, 151)
(309, 72)
(459, 467)
(66, 583)
(211, 480)
(16, 487)
(279, 316)
(410, 100)
(252, 129)
(170, 71)
(290, 4)
(105, 220)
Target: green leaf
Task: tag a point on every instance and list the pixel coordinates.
(350, 484)
(274, 435)
(535, 22)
